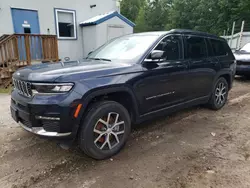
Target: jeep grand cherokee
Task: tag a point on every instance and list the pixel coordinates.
(128, 80)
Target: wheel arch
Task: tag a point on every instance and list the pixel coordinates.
(123, 95)
(227, 76)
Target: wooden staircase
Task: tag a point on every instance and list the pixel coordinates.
(3, 37)
(19, 50)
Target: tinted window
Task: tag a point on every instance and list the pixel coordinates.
(209, 48)
(171, 45)
(219, 47)
(195, 47)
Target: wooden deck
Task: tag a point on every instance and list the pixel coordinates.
(19, 50)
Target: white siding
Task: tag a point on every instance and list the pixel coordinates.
(45, 8)
(89, 39)
(102, 29)
(96, 36)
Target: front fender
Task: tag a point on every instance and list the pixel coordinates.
(108, 90)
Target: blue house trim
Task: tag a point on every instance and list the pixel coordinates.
(101, 20)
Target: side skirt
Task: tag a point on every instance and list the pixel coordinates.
(174, 108)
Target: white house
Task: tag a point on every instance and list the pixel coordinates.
(99, 29)
(80, 25)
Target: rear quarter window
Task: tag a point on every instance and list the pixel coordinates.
(219, 48)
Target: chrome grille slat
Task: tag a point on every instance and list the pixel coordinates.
(26, 90)
(20, 86)
(23, 88)
(14, 83)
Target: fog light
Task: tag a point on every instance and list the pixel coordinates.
(48, 118)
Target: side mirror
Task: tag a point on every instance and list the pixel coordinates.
(156, 54)
(90, 53)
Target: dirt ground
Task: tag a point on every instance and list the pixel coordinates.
(194, 148)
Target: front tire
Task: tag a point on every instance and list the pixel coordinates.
(105, 130)
(219, 95)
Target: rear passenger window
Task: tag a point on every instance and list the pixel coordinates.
(219, 47)
(195, 47)
(172, 46)
(209, 48)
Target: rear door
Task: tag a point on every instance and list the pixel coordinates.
(202, 68)
(222, 53)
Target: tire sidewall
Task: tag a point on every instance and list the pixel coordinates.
(87, 134)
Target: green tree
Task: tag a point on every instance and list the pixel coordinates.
(157, 14)
(141, 25)
(130, 8)
(210, 16)
(213, 16)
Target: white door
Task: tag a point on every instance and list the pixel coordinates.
(115, 31)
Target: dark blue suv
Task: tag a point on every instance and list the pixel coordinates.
(128, 80)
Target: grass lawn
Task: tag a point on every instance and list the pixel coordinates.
(8, 90)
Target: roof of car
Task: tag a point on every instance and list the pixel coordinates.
(180, 31)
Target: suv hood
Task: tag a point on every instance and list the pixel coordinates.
(242, 56)
(70, 71)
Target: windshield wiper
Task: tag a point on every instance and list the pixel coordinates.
(99, 59)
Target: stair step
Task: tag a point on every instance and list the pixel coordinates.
(11, 70)
(5, 76)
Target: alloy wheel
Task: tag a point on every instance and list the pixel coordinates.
(220, 93)
(109, 131)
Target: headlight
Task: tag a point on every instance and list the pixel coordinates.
(48, 88)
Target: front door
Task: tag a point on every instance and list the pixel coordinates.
(26, 22)
(165, 83)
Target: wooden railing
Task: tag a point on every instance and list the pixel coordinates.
(20, 50)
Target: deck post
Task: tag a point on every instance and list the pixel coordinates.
(27, 49)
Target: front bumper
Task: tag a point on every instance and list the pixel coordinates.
(47, 116)
(243, 70)
(41, 132)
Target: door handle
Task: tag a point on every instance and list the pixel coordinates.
(182, 66)
(196, 62)
(212, 61)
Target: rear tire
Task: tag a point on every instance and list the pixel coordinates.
(219, 95)
(105, 130)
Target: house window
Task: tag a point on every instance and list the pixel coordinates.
(65, 24)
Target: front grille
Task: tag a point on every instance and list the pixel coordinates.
(23, 88)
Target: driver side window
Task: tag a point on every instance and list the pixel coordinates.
(172, 47)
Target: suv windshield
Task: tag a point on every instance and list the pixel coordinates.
(246, 48)
(126, 48)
